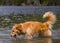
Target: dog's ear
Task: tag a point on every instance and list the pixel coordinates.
(19, 27)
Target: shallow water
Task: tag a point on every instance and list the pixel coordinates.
(5, 38)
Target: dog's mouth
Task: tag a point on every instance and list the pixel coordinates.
(13, 36)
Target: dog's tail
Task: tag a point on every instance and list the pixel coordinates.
(51, 18)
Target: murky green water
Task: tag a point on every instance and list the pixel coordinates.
(6, 22)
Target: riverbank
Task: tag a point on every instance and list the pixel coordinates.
(10, 20)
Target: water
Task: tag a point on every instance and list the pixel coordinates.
(7, 10)
(6, 38)
(6, 21)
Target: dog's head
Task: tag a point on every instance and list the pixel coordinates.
(16, 30)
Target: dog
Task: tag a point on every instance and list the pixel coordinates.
(33, 28)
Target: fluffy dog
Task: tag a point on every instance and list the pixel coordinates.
(34, 28)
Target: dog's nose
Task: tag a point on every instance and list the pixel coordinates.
(13, 35)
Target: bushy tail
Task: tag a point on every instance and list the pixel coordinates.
(50, 16)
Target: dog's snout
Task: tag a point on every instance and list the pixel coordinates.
(13, 35)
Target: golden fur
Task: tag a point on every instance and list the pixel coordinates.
(34, 28)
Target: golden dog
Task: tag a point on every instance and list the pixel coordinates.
(34, 28)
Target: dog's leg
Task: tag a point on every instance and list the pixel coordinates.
(48, 33)
(29, 34)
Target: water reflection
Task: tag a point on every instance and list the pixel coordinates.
(6, 38)
(42, 40)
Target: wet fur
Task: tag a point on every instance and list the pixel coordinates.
(33, 28)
